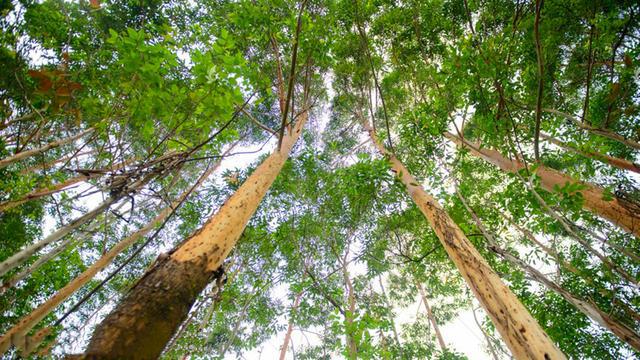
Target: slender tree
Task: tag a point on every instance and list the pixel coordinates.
(520, 331)
(619, 211)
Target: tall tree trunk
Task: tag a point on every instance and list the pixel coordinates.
(55, 188)
(16, 335)
(151, 312)
(484, 333)
(349, 315)
(391, 318)
(87, 234)
(621, 330)
(613, 161)
(432, 319)
(598, 131)
(518, 328)
(23, 255)
(619, 211)
(25, 154)
(287, 336)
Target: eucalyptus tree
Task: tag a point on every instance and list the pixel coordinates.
(99, 97)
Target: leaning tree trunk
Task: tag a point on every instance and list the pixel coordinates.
(56, 188)
(619, 211)
(150, 313)
(518, 328)
(64, 245)
(25, 154)
(23, 255)
(432, 319)
(287, 335)
(589, 309)
(613, 161)
(17, 335)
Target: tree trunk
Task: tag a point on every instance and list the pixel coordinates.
(598, 131)
(25, 154)
(16, 335)
(619, 211)
(50, 164)
(55, 188)
(287, 336)
(518, 328)
(613, 161)
(622, 331)
(87, 234)
(23, 255)
(432, 319)
(150, 313)
(391, 318)
(484, 333)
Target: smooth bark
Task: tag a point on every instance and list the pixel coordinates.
(620, 212)
(25, 154)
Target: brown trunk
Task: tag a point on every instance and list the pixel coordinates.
(622, 331)
(16, 335)
(518, 328)
(619, 211)
(287, 336)
(432, 318)
(613, 161)
(149, 314)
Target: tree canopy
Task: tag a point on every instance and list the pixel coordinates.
(456, 159)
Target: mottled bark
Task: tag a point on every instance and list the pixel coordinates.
(518, 328)
(140, 325)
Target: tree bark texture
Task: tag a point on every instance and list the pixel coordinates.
(522, 334)
(150, 313)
